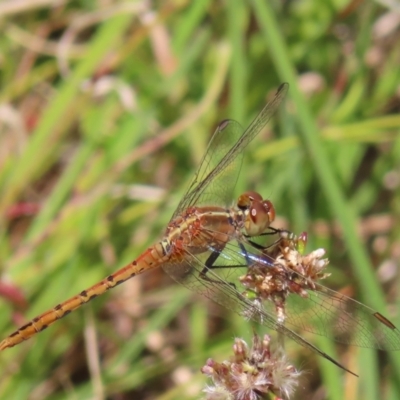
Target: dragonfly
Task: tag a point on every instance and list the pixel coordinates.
(207, 245)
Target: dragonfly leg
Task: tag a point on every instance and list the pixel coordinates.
(209, 265)
(272, 231)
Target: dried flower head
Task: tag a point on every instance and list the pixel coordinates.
(291, 272)
(251, 374)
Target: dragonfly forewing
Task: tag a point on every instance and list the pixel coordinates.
(289, 289)
(342, 319)
(223, 287)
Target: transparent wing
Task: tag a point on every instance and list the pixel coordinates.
(344, 320)
(217, 174)
(323, 312)
(222, 287)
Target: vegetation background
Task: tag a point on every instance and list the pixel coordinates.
(106, 109)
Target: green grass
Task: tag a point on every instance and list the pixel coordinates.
(108, 169)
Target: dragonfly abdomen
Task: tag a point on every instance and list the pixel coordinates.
(151, 258)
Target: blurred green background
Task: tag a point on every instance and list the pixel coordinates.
(106, 110)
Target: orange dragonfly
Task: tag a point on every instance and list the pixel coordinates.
(206, 242)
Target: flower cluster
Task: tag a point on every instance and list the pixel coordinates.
(251, 374)
(291, 272)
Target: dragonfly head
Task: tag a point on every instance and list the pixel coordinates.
(259, 213)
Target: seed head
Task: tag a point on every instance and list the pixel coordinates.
(251, 374)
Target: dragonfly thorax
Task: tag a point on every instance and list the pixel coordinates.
(258, 213)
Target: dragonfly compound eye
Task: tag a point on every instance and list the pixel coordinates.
(270, 210)
(260, 215)
(246, 200)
